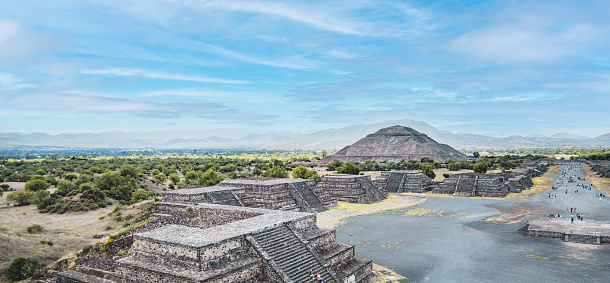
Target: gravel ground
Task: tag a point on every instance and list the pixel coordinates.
(476, 240)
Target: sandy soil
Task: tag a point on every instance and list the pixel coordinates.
(602, 184)
(331, 218)
(69, 232)
(385, 275)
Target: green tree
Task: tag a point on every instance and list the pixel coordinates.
(324, 153)
(174, 178)
(70, 177)
(428, 169)
(300, 172)
(349, 168)
(22, 268)
(480, 167)
(334, 165)
(139, 195)
(160, 178)
(59, 172)
(427, 160)
(191, 176)
(129, 170)
(41, 172)
(39, 196)
(476, 154)
(94, 194)
(210, 178)
(454, 166)
(21, 197)
(276, 172)
(36, 185)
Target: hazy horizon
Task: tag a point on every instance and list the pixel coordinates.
(496, 68)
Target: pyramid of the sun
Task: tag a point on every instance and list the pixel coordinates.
(395, 144)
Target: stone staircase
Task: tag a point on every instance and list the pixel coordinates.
(309, 196)
(224, 197)
(291, 255)
(393, 183)
(372, 189)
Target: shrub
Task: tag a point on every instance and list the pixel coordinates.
(446, 175)
(35, 229)
(36, 185)
(20, 197)
(348, 168)
(94, 194)
(22, 268)
(87, 248)
(139, 195)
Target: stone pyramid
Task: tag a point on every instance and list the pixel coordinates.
(395, 144)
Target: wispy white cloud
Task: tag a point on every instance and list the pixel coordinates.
(293, 62)
(126, 72)
(17, 42)
(9, 81)
(218, 95)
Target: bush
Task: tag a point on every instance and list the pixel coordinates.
(22, 268)
(20, 197)
(94, 194)
(35, 229)
(87, 248)
(36, 185)
(139, 195)
(428, 169)
(446, 175)
(348, 168)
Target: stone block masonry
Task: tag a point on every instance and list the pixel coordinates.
(350, 188)
(206, 242)
(404, 182)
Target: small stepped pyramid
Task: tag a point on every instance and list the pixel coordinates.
(291, 254)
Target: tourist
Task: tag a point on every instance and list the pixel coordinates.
(320, 279)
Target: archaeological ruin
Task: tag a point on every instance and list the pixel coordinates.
(490, 185)
(188, 240)
(395, 143)
(586, 232)
(350, 188)
(411, 181)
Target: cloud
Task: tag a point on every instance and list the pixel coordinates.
(79, 102)
(126, 72)
(9, 81)
(293, 62)
(16, 42)
(508, 44)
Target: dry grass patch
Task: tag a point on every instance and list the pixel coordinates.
(331, 218)
(600, 183)
(68, 232)
(385, 275)
(541, 184)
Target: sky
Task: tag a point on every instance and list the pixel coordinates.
(234, 68)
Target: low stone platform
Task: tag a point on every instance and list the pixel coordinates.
(350, 188)
(587, 231)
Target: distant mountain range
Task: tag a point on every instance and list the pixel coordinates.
(329, 139)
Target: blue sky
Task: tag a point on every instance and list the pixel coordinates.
(237, 67)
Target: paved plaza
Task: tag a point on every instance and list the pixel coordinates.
(477, 240)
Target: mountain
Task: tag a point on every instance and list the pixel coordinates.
(395, 143)
(330, 139)
(568, 136)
